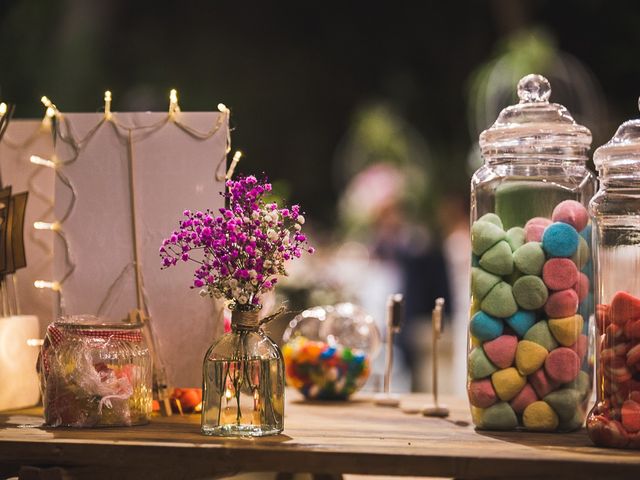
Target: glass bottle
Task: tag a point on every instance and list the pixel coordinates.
(614, 421)
(531, 302)
(95, 373)
(243, 381)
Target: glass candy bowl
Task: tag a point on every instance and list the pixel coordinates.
(329, 350)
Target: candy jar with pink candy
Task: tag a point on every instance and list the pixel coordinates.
(614, 421)
(531, 303)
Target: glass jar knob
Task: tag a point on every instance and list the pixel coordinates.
(534, 88)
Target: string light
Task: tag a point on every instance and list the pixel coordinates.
(51, 108)
(3, 109)
(222, 108)
(173, 102)
(107, 105)
(54, 226)
(234, 163)
(55, 286)
(35, 342)
(35, 159)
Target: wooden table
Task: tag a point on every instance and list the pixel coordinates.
(323, 439)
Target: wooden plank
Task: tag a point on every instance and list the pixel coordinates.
(328, 438)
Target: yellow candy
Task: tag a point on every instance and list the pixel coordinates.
(530, 357)
(476, 416)
(508, 383)
(540, 416)
(566, 330)
(475, 342)
(475, 306)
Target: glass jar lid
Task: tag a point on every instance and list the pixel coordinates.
(535, 128)
(624, 146)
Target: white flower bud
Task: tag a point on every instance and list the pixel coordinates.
(272, 234)
(300, 219)
(298, 227)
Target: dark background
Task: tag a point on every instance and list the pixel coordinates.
(295, 73)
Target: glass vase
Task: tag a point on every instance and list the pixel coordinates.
(243, 382)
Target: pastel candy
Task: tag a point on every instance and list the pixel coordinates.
(630, 413)
(541, 383)
(559, 273)
(564, 402)
(539, 416)
(582, 255)
(563, 303)
(521, 321)
(574, 423)
(530, 292)
(485, 235)
(535, 228)
(562, 365)
(582, 287)
(523, 399)
(516, 237)
(485, 327)
(560, 240)
(481, 393)
(541, 334)
(507, 383)
(624, 307)
(479, 364)
(566, 330)
(498, 417)
(492, 218)
(499, 302)
(582, 383)
(501, 351)
(529, 258)
(529, 357)
(571, 212)
(482, 282)
(498, 259)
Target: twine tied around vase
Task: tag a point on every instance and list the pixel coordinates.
(250, 319)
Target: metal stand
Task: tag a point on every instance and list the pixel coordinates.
(436, 410)
(395, 318)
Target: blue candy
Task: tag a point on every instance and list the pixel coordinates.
(560, 240)
(328, 353)
(521, 321)
(485, 327)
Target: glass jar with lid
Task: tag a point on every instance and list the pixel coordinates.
(95, 373)
(531, 281)
(614, 421)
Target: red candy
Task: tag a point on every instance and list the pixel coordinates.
(633, 355)
(631, 416)
(581, 346)
(541, 383)
(624, 307)
(502, 350)
(582, 286)
(632, 330)
(481, 393)
(603, 318)
(562, 365)
(523, 399)
(607, 433)
(560, 274)
(562, 304)
(571, 212)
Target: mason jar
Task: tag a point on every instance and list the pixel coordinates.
(531, 280)
(614, 421)
(95, 373)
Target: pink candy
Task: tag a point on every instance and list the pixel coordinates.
(523, 399)
(535, 227)
(562, 365)
(502, 350)
(562, 304)
(571, 212)
(481, 393)
(560, 274)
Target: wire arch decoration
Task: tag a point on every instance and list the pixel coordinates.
(63, 132)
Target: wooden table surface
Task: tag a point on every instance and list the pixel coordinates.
(328, 438)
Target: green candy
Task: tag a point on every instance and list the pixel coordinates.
(516, 238)
(485, 235)
(564, 402)
(482, 282)
(582, 383)
(491, 218)
(582, 255)
(515, 275)
(499, 417)
(479, 364)
(498, 259)
(530, 292)
(499, 302)
(574, 423)
(541, 334)
(529, 258)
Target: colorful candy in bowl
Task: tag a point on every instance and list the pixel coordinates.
(328, 351)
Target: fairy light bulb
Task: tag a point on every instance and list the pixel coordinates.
(42, 284)
(36, 160)
(54, 226)
(3, 109)
(107, 104)
(173, 102)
